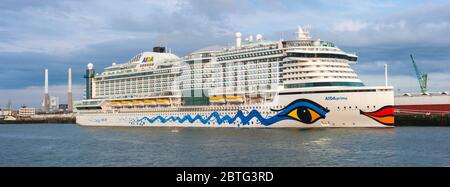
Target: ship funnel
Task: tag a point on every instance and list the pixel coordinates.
(238, 39)
(159, 49)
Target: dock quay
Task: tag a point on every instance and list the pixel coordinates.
(422, 118)
(42, 118)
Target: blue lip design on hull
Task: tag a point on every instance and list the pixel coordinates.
(302, 110)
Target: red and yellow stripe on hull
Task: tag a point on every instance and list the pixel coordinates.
(384, 115)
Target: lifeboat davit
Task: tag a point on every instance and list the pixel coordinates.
(116, 103)
(137, 102)
(150, 102)
(163, 102)
(235, 99)
(217, 100)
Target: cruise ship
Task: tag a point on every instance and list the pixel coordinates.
(254, 83)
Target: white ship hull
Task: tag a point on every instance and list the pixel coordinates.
(299, 83)
(325, 109)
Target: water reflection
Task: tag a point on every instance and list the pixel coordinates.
(72, 145)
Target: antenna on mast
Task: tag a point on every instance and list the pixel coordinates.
(302, 34)
(385, 75)
(161, 41)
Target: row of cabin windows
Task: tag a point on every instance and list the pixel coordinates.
(327, 66)
(319, 77)
(250, 55)
(306, 72)
(315, 84)
(322, 55)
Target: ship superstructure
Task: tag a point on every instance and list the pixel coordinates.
(250, 84)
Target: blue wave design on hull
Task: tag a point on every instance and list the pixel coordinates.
(245, 119)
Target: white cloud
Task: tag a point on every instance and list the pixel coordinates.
(350, 26)
(437, 25)
(101, 31)
(69, 26)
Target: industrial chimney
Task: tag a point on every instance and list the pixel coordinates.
(69, 91)
(46, 97)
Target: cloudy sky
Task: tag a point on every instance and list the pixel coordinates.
(39, 34)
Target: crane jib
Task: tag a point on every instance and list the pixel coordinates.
(422, 78)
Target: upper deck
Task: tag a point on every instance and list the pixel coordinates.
(248, 71)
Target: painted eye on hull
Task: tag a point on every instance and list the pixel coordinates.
(304, 111)
(304, 114)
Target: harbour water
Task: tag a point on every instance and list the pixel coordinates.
(73, 145)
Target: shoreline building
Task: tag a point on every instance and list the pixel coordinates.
(54, 102)
(26, 111)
